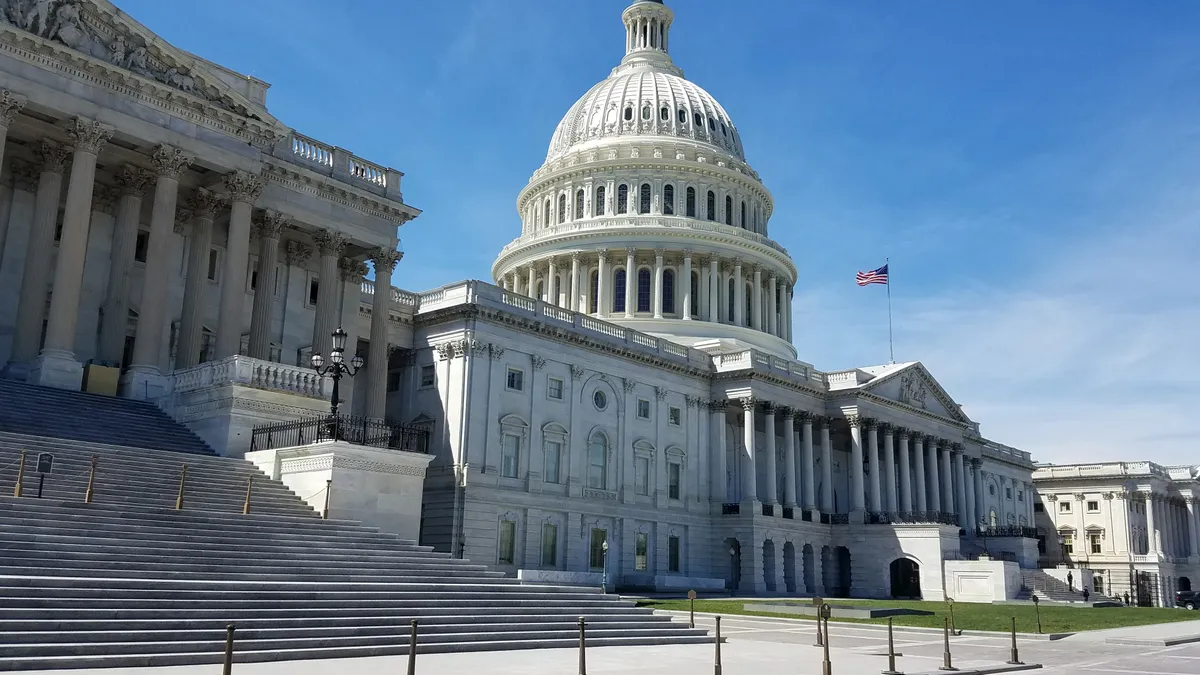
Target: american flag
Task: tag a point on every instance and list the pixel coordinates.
(879, 276)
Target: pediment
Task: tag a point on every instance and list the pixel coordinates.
(118, 46)
(912, 385)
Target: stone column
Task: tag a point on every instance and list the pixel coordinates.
(947, 475)
(269, 228)
(687, 285)
(1168, 526)
(979, 510)
(769, 454)
(169, 163)
(132, 182)
(352, 273)
(772, 311)
(35, 279)
(1153, 536)
(921, 502)
(756, 317)
(739, 294)
(807, 465)
(531, 287)
(714, 286)
(857, 490)
(330, 245)
(10, 106)
(874, 502)
(960, 493)
(657, 290)
(630, 282)
(717, 478)
(1193, 531)
(906, 502)
(889, 470)
(703, 290)
(789, 457)
(602, 274)
(244, 189)
(749, 480)
(826, 468)
(56, 365)
(384, 261)
(933, 495)
(204, 207)
(786, 315)
(574, 303)
(969, 487)
(552, 283)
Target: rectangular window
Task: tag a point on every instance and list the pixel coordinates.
(673, 554)
(1021, 496)
(673, 484)
(393, 381)
(1094, 541)
(641, 477)
(1068, 544)
(252, 274)
(553, 453)
(643, 409)
(314, 289)
(596, 550)
(674, 416)
(516, 379)
(509, 455)
(1008, 493)
(428, 376)
(1064, 507)
(508, 538)
(1039, 507)
(554, 389)
(1093, 507)
(141, 247)
(549, 545)
(213, 258)
(640, 552)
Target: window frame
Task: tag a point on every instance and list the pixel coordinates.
(675, 416)
(552, 448)
(674, 481)
(552, 529)
(641, 552)
(506, 553)
(1088, 506)
(427, 369)
(598, 470)
(505, 455)
(640, 403)
(668, 200)
(674, 554)
(550, 387)
(520, 379)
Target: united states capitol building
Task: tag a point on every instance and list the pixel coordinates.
(621, 402)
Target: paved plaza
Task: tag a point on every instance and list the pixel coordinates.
(760, 646)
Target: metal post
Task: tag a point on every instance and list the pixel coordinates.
(717, 663)
(20, 475)
(249, 487)
(826, 665)
(1013, 658)
(41, 484)
(182, 481)
(87, 496)
(412, 650)
(891, 669)
(328, 488)
(228, 650)
(946, 662)
(582, 654)
(1037, 608)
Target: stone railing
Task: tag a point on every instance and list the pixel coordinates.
(400, 299)
(1005, 453)
(767, 363)
(248, 372)
(1101, 470)
(332, 161)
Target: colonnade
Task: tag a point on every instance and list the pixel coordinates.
(598, 283)
(1173, 524)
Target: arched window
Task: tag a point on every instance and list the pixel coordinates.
(618, 303)
(562, 208)
(682, 116)
(541, 293)
(668, 292)
(600, 200)
(712, 205)
(669, 200)
(595, 290)
(597, 472)
(546, 212)
(730, 295)
(749, 306)
(699, 121)
(664, 114)
(744, 216)
(579, 204)
(646, 112)
(557, 290)
(712, 125)
(695, 295)
(644, 199)
(623, 199)
(724, 131)
(691, 203)
(628, 113)
(728, 210)
(643, 290)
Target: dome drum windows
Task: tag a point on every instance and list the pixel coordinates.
(691, 203)
(669, 200)
(562, 209)
(728, 210)
(712, 206)
(664, 114)
(628, 113)
(600, 201)
(646, 113)
(682, 118)
(643, 290)
(668, 292)
(619, 280)
(644, 199)
(579, 204)
(622, 199)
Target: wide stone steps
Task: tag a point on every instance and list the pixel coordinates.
(367, 623)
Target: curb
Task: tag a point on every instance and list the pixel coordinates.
(883, 627)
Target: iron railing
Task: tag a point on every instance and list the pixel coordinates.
(839, 518)
(789, 513)
(768, 509)
(1007, 531)
(349, 429)
(911, 518)
(806, 515)
(731, 509)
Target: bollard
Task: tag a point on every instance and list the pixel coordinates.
(826, 666)
(228, 650)
(717, 663)
(179, 497)
(582, 655)
(249, 487)
(20, 475)
(325, 511)
(412, 650)
(891, 669)
(946, 663)
(820, 640)
(691, 609)
(1014, 659)
(87, 496)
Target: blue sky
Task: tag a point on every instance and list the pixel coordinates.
(1030, 168)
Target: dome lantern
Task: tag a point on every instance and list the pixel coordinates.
(647, 32)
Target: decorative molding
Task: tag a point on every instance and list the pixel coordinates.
(360, 464)
(748, 403)
(205, 204)
(577, 372)
(769, 408)
(538, 362)
(628, 385)
(270, 224)
(495, 352)
(660, 393)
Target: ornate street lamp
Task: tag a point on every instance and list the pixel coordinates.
(337, 367)
(604, 553)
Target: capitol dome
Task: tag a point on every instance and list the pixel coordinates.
(646, 213)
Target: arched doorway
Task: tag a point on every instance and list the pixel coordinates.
(733, 550)
(789, 567)
(906, 579)
(1185, 584)
(769, 562)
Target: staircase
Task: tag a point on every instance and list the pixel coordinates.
(1046, 587)
(127, 580)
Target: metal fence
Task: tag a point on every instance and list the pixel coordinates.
(349, 429)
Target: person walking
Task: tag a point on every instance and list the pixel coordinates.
(1085, 595)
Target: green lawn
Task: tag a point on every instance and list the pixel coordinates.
(969, 616)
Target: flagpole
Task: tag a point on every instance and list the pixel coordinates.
(891, 346)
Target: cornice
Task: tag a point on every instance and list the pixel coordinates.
(299, 179)
(908, 409)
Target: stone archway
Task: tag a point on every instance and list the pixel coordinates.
(789, 567)
(828, 570)
(768, 563)
(844, 572)
(906, 579)
(1185, 584)
(810, 570)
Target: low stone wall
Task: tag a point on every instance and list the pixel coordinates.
(982, 580)
(845, 612)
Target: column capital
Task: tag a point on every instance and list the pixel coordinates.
(805, 416)
(601, 256)
(942, 444)
(297, 253)
(630, 250)
(88, 135)
(243, 186)
(1079, 496)
(902, 433)
(169, 162)
(787, 413)
(659, 253)
(854, 421)
(205, 203)
(133, 180)
(575, 256)
(737, 263)
(329, 243)
(769, 408)
(771, 276)
(870, 423)
(52, 156)
(10, 106)
(749, 403)
(686, 253)
(976, 464)
(956, 447)
(824, 422)
(270, 224)
(718, 406)
(929, 439)
(385, 259)
(756, 268)
(886, 428)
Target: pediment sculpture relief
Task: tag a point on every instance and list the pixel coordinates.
(912, 391)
